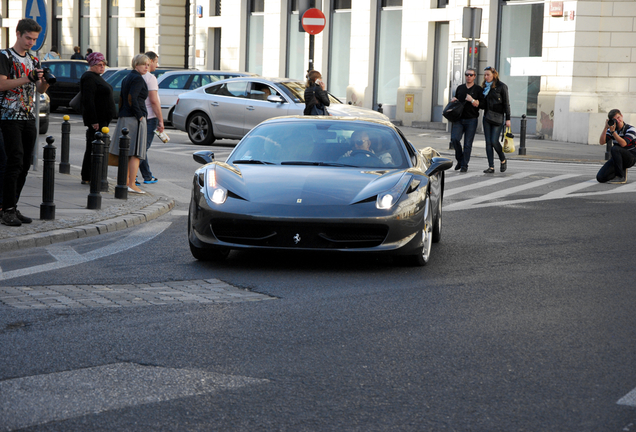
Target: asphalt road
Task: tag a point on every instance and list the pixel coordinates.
(523, 320)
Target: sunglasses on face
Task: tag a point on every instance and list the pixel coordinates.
(469, 75)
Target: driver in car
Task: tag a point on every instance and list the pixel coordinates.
(361, 142)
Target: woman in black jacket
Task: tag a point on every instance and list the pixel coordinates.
(315, 94)
(98, 106)
(498, 102)
(132, 115)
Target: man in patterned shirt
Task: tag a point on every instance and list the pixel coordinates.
(20, 76)
(623, 151)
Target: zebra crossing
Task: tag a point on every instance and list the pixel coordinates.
(476, 190)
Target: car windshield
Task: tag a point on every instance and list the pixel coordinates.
(296, 91)
(322, 143)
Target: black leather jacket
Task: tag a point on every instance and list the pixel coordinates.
(498, 100)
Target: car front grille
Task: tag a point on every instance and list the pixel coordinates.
(295, 235)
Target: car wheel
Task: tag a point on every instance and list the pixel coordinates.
(206, 254)
(44, 127)
(170, 116)
(437, 224)
(199, 129)
(424, 253)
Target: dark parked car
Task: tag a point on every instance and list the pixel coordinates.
(305, 183)
(68, 74)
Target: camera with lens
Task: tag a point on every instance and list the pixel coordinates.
(48, 76)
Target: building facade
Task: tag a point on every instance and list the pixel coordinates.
(566, 63)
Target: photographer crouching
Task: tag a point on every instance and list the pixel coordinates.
(623, 149)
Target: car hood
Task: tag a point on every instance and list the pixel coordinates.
(285, 185)
(346, 110)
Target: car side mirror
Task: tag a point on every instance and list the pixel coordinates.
(204, 157)
(438, 164)
(275, 99)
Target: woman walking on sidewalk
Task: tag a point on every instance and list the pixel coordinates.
(496, 108)
(98, 106)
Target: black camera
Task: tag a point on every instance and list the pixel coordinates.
(611, 122)
(48, 76)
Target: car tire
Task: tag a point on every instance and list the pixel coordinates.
(437, 224)
(44, 127)
(169, 120)
(199, 128)
(424, 252)
(206, 254)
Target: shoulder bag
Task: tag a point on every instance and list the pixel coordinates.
(453, 111)
(76, 102)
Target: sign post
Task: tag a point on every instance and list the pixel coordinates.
(36, 10)
(313, 21)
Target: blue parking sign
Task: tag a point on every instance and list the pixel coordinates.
(36, 10)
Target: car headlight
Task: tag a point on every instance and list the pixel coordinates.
(217, 193)
(387, 199)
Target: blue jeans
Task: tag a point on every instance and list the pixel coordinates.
(467, 128)
(151, 124)
(491, 134)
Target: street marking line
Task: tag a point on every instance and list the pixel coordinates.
(629, 399)
(460, 176)
(67, 259)
(59, 396)
(506, 192)
(486, 183)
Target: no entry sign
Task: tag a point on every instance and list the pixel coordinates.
(313, 21)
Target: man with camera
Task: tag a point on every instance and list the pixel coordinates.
(20, 76)
(623, 137)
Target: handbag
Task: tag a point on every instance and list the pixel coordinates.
(509, 142)
(318, 109)
(113, 160)
(453, 111)
(76, 102)
(494, 117)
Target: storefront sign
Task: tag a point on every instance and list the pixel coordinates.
(556, 9)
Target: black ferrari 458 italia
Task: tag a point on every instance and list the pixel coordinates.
(319, 183)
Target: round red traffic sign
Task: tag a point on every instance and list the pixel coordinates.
(313, 21)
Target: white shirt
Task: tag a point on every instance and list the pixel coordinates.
(151, 82)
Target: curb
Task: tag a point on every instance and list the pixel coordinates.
(152, 211)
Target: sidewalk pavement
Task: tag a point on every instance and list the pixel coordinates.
(73, 220)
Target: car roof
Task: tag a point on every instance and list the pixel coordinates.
(64, 61)
(303, 118)
(218, 72)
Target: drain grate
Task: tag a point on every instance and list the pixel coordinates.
(127, 295)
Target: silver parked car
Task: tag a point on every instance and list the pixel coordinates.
(231, 108)
(174, 83)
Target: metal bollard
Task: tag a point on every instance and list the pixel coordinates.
(121, 190)
(94, 197)
(65, 166)
(47, 208)
(104, 177)
(522, 133)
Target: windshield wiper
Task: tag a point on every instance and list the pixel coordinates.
(332, 164)
(252, 161)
